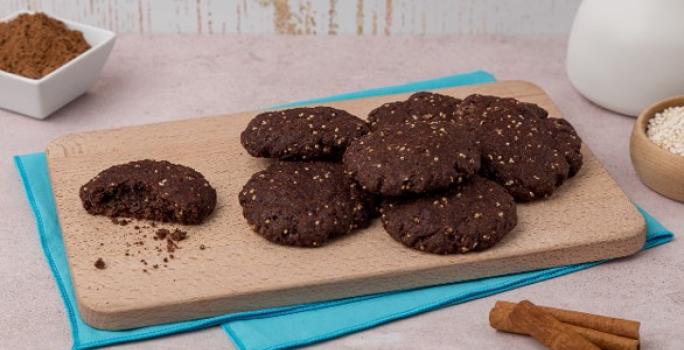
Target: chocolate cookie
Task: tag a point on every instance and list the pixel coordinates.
(567, 142)
(150, 189)
(304, 203)
(421, 106)
(523, 150)
(472, 216)
(412, 157)
(302, 133)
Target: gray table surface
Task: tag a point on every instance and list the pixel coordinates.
(154, 79)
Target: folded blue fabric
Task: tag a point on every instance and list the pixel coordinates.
(288, 326)
(472, 78)
(306, 327)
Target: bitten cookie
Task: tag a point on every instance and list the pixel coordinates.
(523, 150)
(304, 203)
(421, 106)
(150, 189)
(472, 216)
(302, 133)
(413, 157)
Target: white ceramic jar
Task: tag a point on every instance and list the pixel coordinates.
(627, 54)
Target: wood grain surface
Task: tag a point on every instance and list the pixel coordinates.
(589, 218)
(314, 17)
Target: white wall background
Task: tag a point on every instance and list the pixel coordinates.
(320, 17)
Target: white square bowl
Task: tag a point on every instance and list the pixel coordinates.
(39, 98)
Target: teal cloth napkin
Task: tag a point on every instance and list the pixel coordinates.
(288, 326)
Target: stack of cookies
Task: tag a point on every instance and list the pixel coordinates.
(443, 173)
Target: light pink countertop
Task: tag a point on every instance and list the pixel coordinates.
(154, 79)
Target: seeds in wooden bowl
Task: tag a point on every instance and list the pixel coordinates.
(666, 129)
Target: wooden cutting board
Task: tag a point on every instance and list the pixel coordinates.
(589, 218)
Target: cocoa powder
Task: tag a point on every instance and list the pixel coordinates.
(33, 45)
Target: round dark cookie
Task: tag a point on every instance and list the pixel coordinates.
(567, 142)
(523, 150)
(150, 189)
(472, 216)
(412, 158)
(302, 133)
(421, 106)
(304, 203)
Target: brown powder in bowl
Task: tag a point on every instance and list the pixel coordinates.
(33, 45)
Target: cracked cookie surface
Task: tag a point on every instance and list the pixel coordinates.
(306, 133)
(421, 106)
(522, 149)
(472, 216)
(304, 203)
(412, 157)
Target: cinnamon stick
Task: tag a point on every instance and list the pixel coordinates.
(547, 329)
(499, 318)
(612, 325)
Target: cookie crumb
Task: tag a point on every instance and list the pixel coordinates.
(161, 234)
(171, 246)
(100, 264)
(178, 235)
(119, 221)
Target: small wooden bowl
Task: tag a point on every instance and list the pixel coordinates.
(659, 169)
